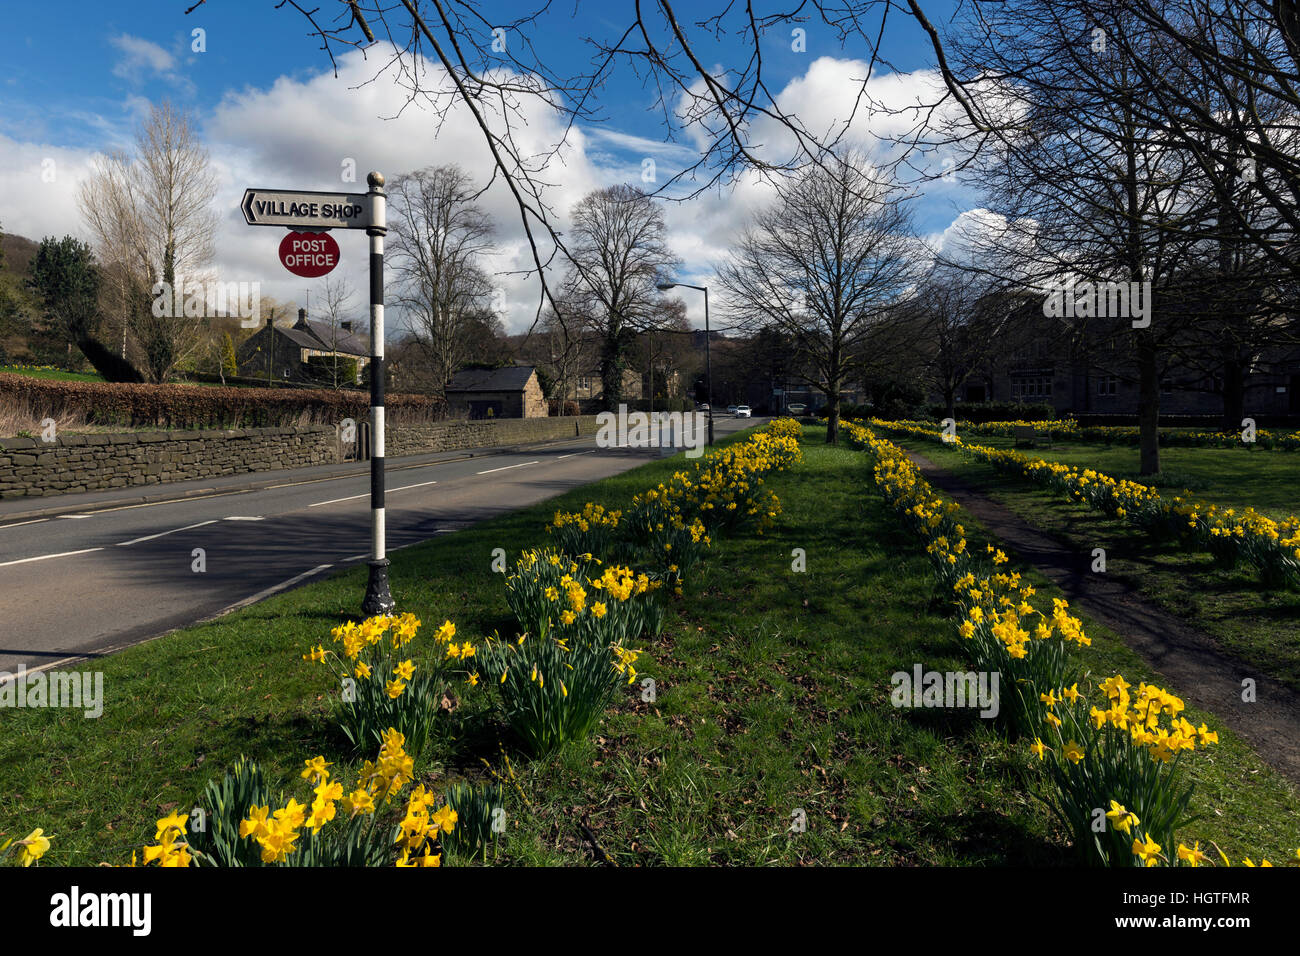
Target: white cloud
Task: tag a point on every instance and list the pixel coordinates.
(298, 132)
(38, 188)
(141, 59)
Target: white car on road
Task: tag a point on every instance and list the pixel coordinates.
(742, 411)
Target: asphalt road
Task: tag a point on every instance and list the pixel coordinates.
(86, 583)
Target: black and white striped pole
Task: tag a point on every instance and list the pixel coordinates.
(378, 599)
(312, 256)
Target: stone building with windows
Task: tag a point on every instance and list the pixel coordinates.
(511, 392)
(304, 353)
(1090, 369)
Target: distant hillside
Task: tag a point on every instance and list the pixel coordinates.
(16, 253)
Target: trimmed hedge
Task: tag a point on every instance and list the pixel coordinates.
(197, 406)
(980, 412)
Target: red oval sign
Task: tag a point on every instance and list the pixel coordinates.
(309, 254)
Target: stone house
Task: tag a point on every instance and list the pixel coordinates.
(1090, 369)
(511, 392)
(291, 349)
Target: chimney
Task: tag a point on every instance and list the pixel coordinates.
(347, 326)
(302, 316)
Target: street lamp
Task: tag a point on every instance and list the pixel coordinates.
(708, 365)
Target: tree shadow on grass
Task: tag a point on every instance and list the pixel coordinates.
(985, 835)
(945, 721)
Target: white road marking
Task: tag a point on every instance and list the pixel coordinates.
(572, 454)
(244, 518)
(387, 491)
(334, 501)
(35, 670)
(404, 487)
(19, 524)
(76, 516)
(46, 557)
(507, 467)
(163, 534)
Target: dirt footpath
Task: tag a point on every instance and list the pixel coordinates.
(1196, 668)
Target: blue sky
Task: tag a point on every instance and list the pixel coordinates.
(61, 81)
(81, 73)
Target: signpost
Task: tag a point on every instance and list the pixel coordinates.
(317, 212)
(311, 210)
(309, 254)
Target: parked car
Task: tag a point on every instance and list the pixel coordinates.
(742, 411)
(796, 408)
(731, 409)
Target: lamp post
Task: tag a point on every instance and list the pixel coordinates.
(708, 364)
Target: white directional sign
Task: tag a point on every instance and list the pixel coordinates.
(307, 210)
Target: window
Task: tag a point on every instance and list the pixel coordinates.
(1108, 385)
(584, 383)
(1031, 388)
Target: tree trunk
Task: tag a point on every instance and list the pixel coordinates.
(833, 413)
(108, 363)
(1148, 403)
(1234, 388)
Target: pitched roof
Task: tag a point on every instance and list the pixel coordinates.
(300, 337)
(347, 342)
(510, 379)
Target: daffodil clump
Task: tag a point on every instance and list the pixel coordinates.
(367, 824)
(1065, 428)
(724, 489)
(1127, 435)
(1114, 749)
(667, 528)
(555, 690)
(26, 851)
(1272, 547)
(553, 595)
(592, 530)
(1004, 633)
(383, 684)
(1111, 748)
(1068, 429)
(672, 544)
(1026, 646)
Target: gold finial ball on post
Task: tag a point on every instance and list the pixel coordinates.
(376, 180)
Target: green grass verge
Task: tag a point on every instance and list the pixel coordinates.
(1257, 624)
(54, 374)
(772, 696)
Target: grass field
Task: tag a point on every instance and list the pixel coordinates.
(772, 697)
(1258, 624)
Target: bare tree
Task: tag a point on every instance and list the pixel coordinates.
(439, 238)
(151, 215)
(565, 347)
(619, 250)
(339, 308)
(1088, 188)
(466, 55)
(954, 328)
(824, 264)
